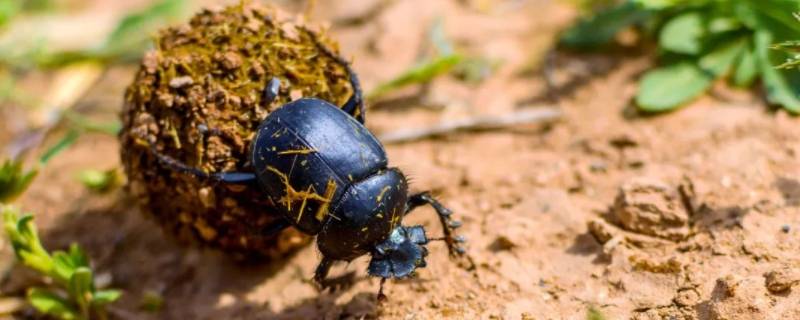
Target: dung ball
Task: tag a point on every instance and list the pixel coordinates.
(208, 76)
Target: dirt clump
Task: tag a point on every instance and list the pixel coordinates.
(736, 298)
(198, 98)
(781, 280)
(652, 208)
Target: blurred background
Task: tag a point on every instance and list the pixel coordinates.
(531, 118)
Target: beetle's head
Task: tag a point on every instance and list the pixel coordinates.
(400, 254)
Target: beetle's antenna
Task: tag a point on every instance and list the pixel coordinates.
(226, 177)
(355, 105)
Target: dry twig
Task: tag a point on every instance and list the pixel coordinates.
(473, 124)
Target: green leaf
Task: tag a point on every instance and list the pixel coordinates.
(421, 74)
(66, 263)
(719, 61)
(776, 82)
(81, 287)
(83, 123)
(776, 16)
(723, 23)
(14, 180)
(65, 142)
(62, 266)
(133, 31)
(8, 10)
(791, 48)
(666, 88)
(50, 303)
(42, 264)
(26, 243)
(26, 230)
(99, 180)
(594, 314)
(683, 34)
(668, 4)
(78, 257)
(746, 69)
(601, 28)
(104, 297)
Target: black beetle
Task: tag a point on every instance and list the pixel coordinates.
(329, 176)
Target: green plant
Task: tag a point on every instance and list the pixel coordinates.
(99, 180)
(126, 42)
(73, 294)
(594, 314)
(792, 48)
(14, 180)
(699, 42)
(444, 60)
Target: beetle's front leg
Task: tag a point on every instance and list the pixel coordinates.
(322, 272)
(445, 217)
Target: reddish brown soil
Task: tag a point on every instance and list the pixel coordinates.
(727, 249)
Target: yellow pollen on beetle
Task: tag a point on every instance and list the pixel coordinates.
(330, 189)
(305, 200)
(383, 192)
(297, 151)
(395, 218)
(294, 195)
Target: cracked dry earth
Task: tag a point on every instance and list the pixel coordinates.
(689, 215)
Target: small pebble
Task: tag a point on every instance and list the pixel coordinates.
(181, 82)
(786, 228)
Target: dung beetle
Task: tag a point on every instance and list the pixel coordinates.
(329, 176)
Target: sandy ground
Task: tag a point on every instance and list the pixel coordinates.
(583, 213)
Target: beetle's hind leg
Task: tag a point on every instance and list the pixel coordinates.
(445, 218)
(321, 272)
(244, 178)
(355, 105)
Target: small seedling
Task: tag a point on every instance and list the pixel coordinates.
(83, 123)
(126, 41)
(422, 73)
(14, 180)
(700, 42)
(445, 60)
(152, 301)
(99, 180)
(73, 294)
(594, 314)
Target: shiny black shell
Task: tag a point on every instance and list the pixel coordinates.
(307, 154)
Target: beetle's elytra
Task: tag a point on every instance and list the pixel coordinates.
(329, 177)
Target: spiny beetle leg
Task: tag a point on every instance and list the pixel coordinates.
(381, 296)
(445, 218)
(322, 272)
(355, 105)
(242, 178)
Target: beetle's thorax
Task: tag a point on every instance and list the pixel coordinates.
(366, 215)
